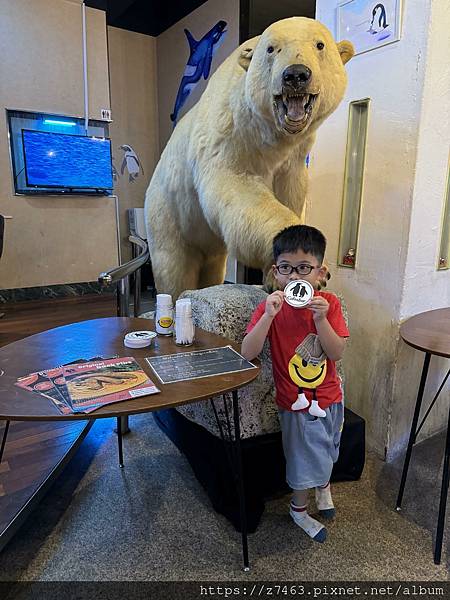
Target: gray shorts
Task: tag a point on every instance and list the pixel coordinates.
(311, 445)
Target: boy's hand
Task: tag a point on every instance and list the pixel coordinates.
(274, 303)
(319, 307)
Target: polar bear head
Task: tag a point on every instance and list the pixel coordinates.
(295, 74)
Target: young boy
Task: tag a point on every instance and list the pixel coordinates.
(310, 443)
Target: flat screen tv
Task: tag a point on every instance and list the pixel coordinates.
(67, 163)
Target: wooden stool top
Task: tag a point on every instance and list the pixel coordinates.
(429, 331)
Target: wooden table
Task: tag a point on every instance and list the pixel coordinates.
(429, 332)
(104, 337)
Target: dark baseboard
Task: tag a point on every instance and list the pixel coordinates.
(46, 292)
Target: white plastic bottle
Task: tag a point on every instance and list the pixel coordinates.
(164, 314)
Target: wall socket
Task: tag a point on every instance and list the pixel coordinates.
(106, 114)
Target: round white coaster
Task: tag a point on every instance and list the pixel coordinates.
(138, 339)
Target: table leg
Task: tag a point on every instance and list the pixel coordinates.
(413, 432)
(235, 460)
(125, 425)
(119, 439)
(228, 439)
(5, 435)
(443, 501)
(240, 479)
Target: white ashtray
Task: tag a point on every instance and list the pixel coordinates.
(138, 339)
(298, 293)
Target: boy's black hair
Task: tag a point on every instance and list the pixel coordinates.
(300, 237)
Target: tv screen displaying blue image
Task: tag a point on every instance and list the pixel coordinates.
(72, 162)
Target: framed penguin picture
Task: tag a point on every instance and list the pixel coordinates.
(369, 24)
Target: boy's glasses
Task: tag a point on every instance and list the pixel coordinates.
(285, 269)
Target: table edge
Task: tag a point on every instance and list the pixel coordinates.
(100, 415)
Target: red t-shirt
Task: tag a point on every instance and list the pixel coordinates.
(289, 328)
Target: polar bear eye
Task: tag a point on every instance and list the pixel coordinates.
(270, 49)
(320, 45)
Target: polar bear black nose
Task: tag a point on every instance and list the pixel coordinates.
(296, 76)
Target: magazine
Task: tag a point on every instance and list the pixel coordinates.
(57, 378)
(42, 385)
(59, 381)
(94, 384)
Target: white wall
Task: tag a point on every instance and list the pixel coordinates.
(134, 103)
(426, 288)
(393, 77)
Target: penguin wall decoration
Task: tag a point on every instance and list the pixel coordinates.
(369, 24)
(378, 11)
(131, 163)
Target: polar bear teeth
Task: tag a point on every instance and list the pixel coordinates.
(294, 110)
(297, 102)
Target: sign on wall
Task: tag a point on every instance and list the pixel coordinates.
(369, 24)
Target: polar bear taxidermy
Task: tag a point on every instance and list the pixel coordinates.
(233, 172)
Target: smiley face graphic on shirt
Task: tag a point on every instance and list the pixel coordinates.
(305, 374)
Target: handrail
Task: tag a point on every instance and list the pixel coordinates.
(128, 268)
(121, 276)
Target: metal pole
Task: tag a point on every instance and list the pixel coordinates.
(85, 69)
(123, 287)
(123, 291)
(137, 293)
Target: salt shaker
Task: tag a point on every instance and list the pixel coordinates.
(184, 325)
(164, 314)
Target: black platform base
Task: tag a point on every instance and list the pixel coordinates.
(263, 463)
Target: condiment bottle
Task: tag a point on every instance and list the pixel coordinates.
(164, 314)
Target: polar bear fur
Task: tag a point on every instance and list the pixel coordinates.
(233, 172)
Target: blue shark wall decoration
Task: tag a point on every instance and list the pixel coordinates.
(198, 64)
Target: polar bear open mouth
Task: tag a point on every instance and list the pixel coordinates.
(294, 110)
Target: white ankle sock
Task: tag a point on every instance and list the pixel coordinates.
(324, 501)
(313, 528)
